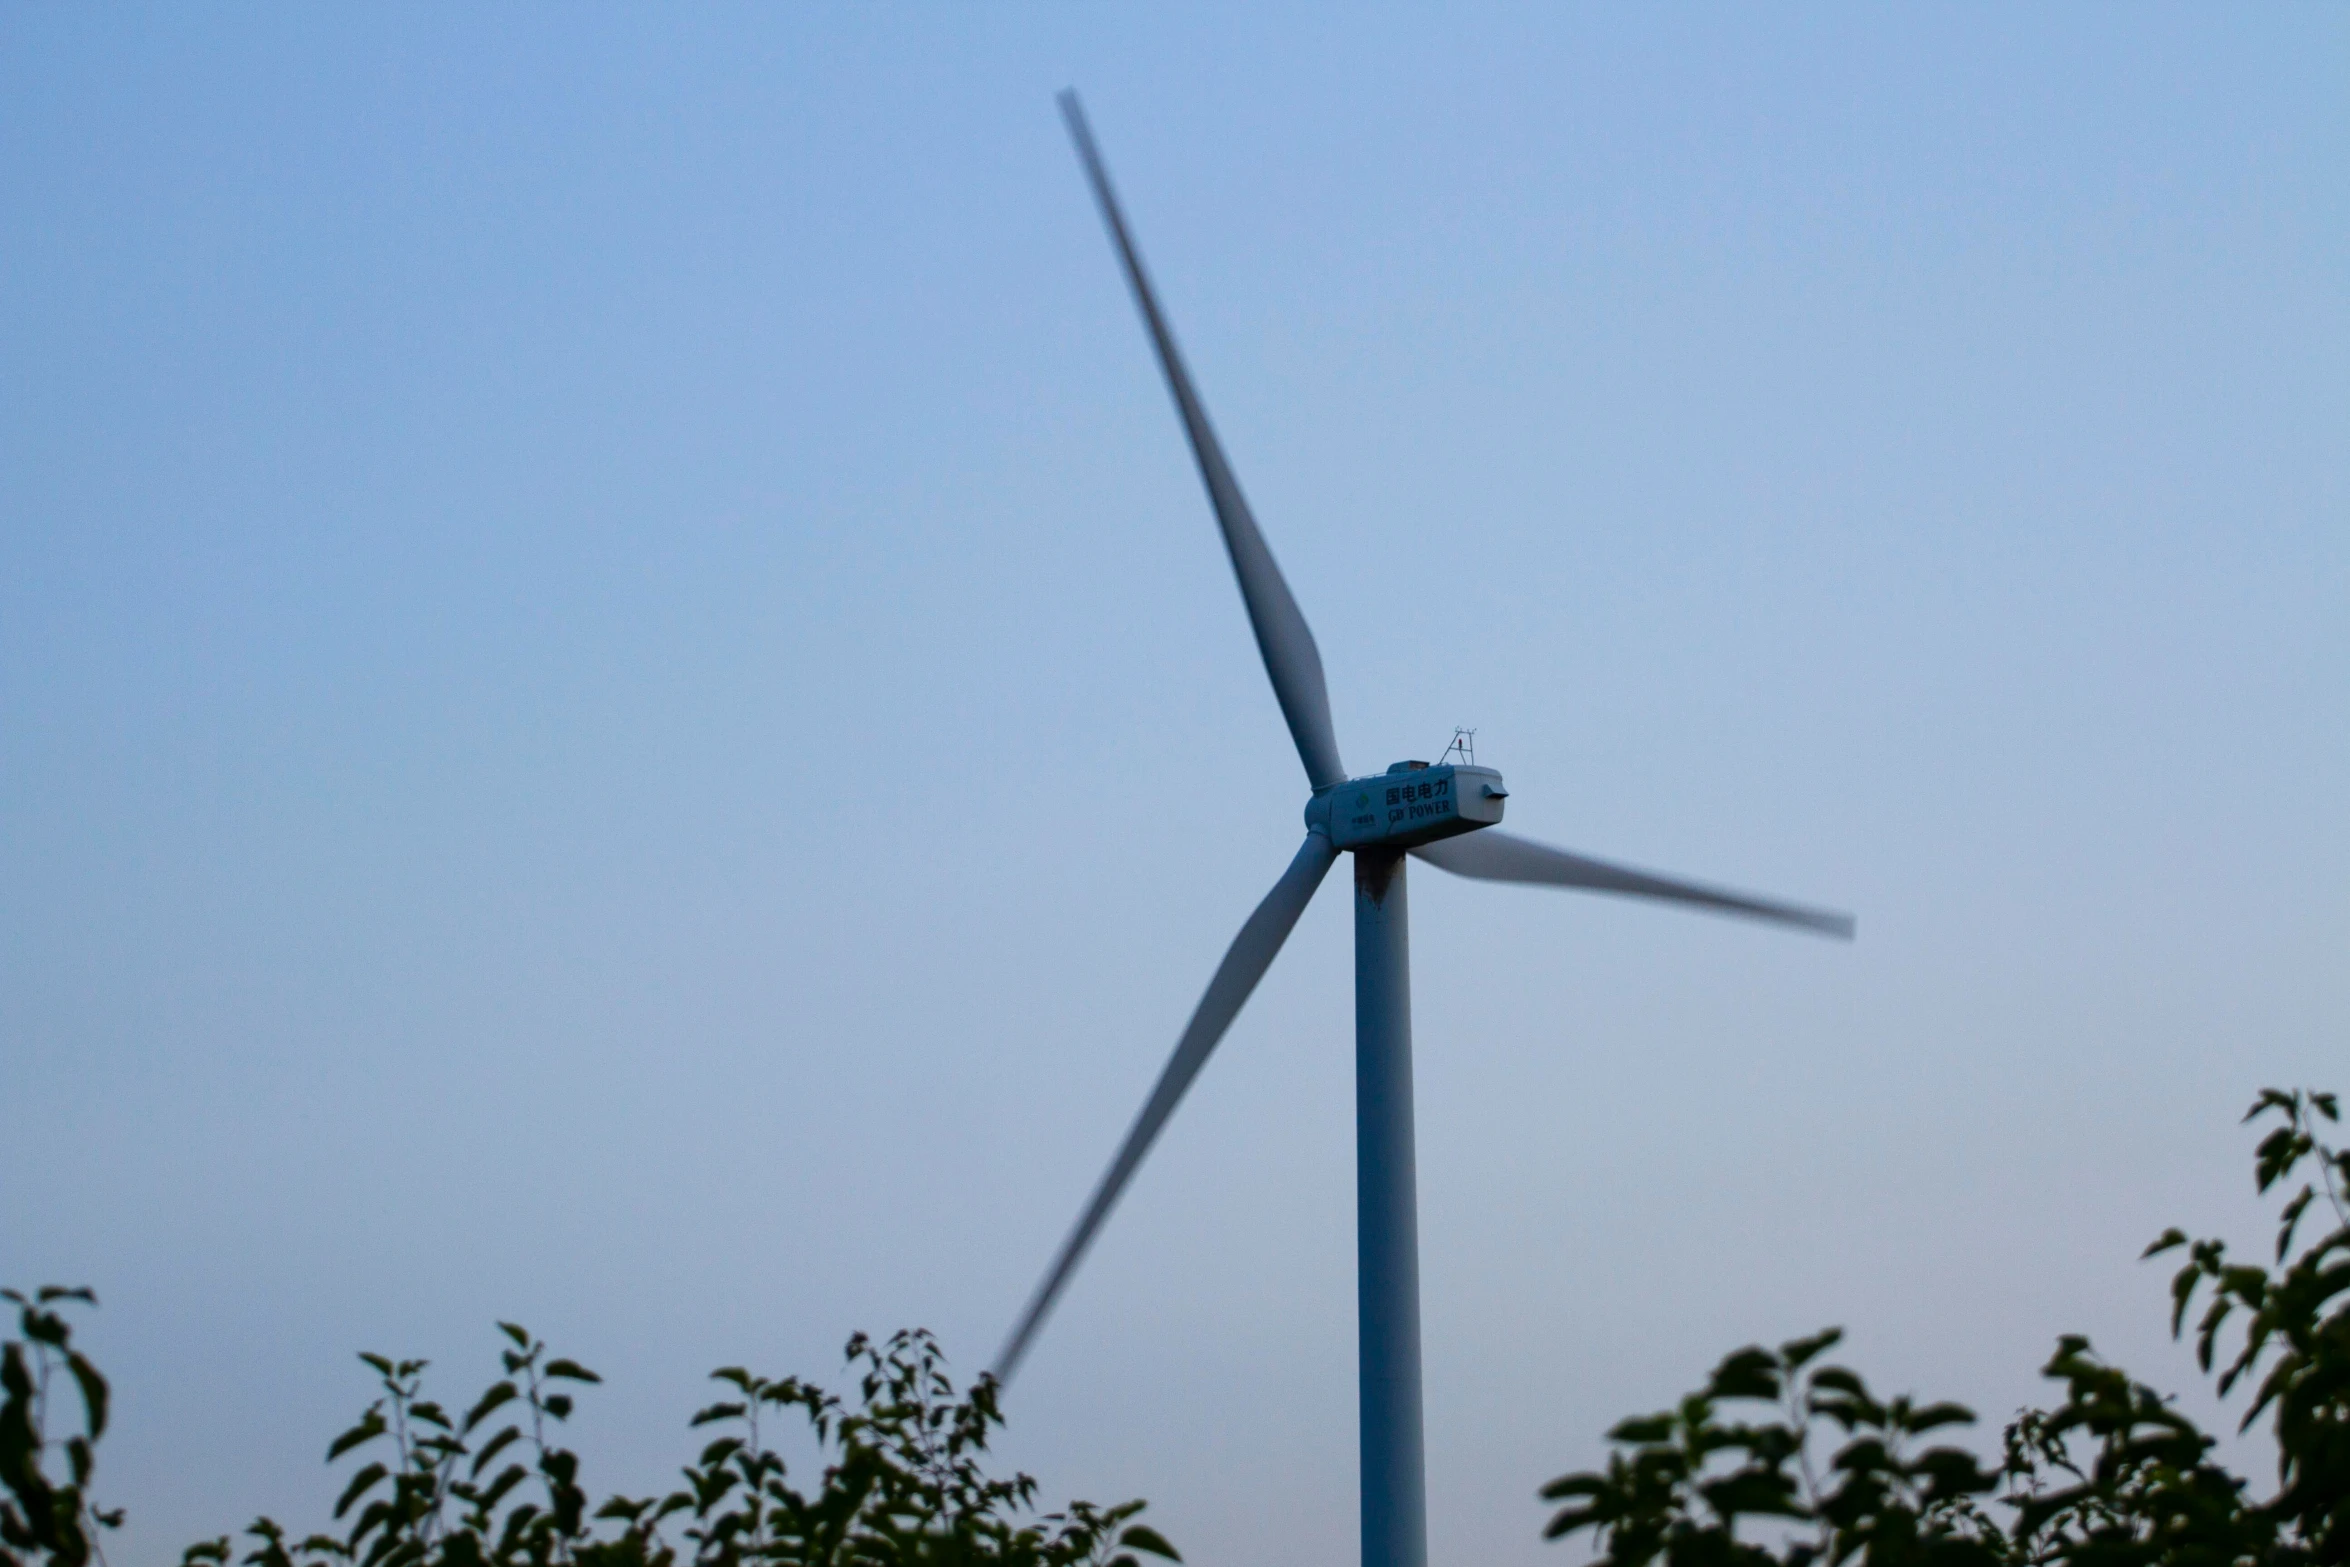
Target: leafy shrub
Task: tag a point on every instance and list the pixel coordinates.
(902, 1482)
(1781, 1459)
(45, 1512)
(903, 1485)
(1822, 1471)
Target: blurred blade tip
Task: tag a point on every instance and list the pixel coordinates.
(1253, 949)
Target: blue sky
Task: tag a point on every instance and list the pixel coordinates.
(619, 706)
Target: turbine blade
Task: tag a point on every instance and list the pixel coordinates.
(1251, 953)
(1494, 855)
(1282, 634)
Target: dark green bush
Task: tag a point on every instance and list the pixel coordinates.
(1784, 1461)
(1781, 1460)
(47, 1517)
(902, 1481)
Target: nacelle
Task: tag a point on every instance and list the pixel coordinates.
(1411, 803)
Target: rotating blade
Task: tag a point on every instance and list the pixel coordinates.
(1494, 855)
(1251, 953)
(1283, 637)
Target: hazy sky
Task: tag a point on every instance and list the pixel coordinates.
(619, 706)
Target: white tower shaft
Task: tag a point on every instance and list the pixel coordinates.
(1387, 1223)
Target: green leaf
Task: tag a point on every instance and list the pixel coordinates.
(1569, 1520)
(2182, 1295)
(1953, 1472)
(2290, 1220)
(515, 1332)
(1143, 1537)
(492, 1448)
(1747, 1373)
(361, 1483)
(498, 1393)
(2271, 1099)
(1862, 1455)
(1573, 1485)
(1937, 1415)
(508, 1478)
(1839, 1379)
(1643, 1428)
(1759, 1494)
(93, 1388)
(371, 1425)
(570, 1371)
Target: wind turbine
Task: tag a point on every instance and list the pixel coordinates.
(1443, 814)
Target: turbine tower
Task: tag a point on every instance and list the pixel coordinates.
(1443, 814)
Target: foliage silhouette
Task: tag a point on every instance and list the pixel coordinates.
(902, 1483)
(1823, 1472)
(1782, 1458)
(46, 1517)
